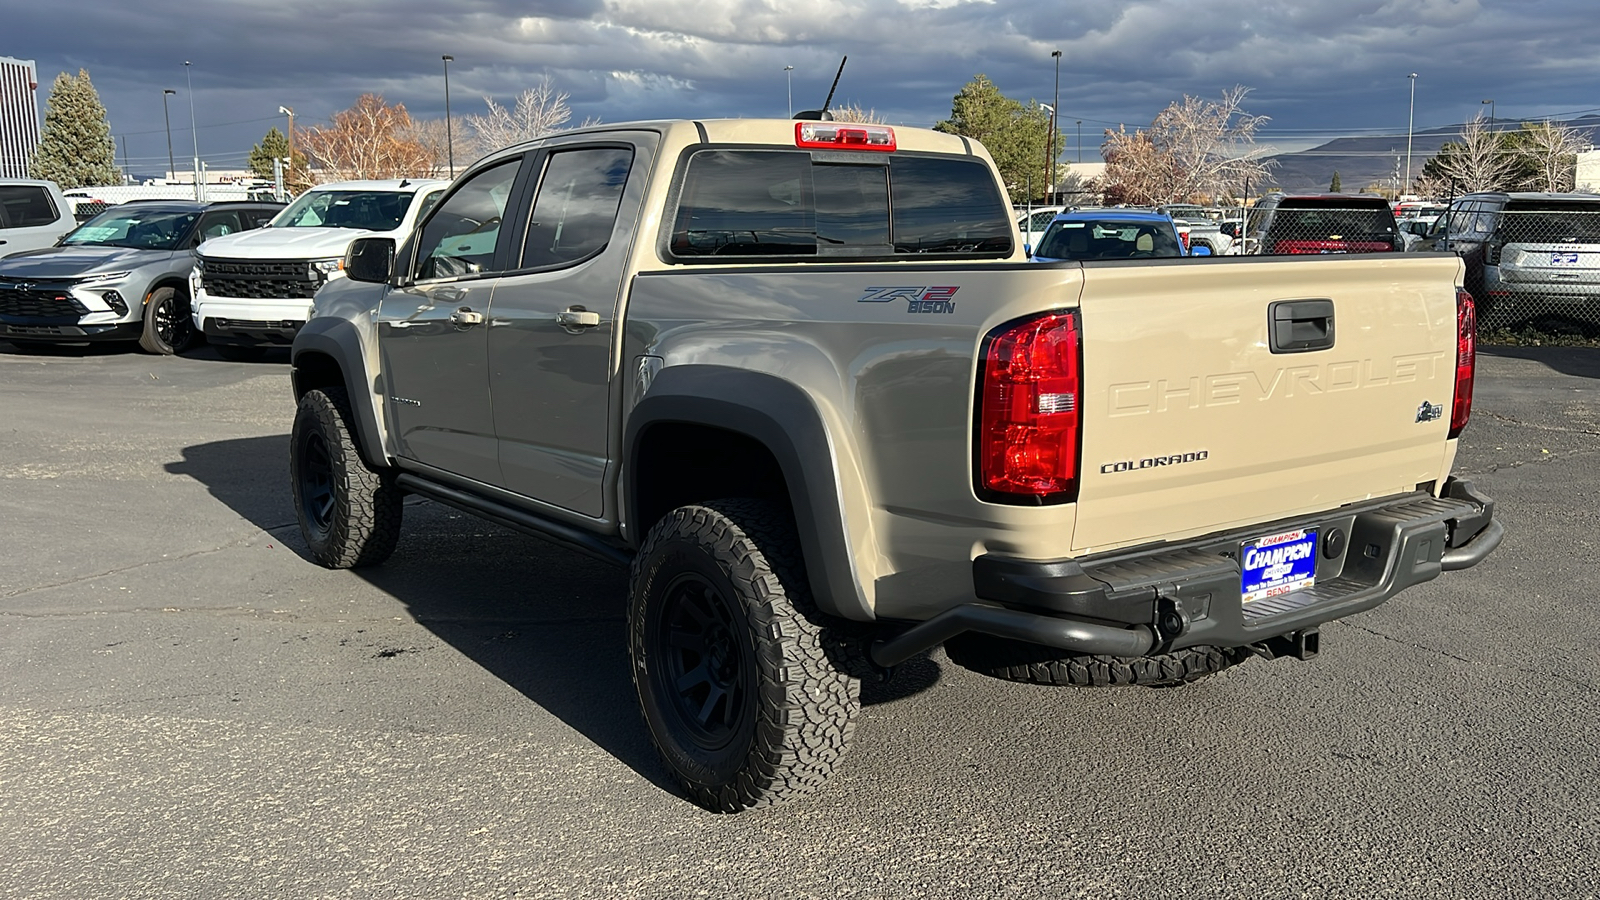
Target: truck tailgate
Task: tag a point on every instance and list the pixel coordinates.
(1194, 421)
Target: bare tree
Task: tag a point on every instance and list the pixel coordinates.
(539, 110)
(1194, 148)
(368, 140)
(853, 112)
(435, 138)
(1477, 163)
(1552, 152)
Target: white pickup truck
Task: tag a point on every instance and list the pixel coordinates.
(253, 290)
(33, 215)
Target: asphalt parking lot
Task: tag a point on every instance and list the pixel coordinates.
(190, 708)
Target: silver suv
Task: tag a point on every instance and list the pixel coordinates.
(121, 276)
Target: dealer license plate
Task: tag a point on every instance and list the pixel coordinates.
(1277, 564)
(1563, 259)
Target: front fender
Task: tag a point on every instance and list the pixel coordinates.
(330, 350)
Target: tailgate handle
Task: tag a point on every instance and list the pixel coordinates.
(1300, 326)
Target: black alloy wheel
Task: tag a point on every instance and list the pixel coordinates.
(706, 672)
(314, 477)
(168, 329)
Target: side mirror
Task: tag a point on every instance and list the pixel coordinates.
(370, 260)
(1027, 250)
(1200, 251)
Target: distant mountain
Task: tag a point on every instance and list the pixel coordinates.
(1361, 161)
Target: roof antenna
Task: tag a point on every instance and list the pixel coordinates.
(822, 115)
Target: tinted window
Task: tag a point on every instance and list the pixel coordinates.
(255, 218)
(460, 236)
(1109, 239)
(370, 210)
(782, 203)
(1547, 221)
(25, 206)
(947, 206)
(134, 226)
(576, 208)
(217, 224)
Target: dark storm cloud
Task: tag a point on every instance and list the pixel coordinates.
(1317, 68)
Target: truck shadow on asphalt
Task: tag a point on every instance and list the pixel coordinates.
(1583, 362)
(545, 620)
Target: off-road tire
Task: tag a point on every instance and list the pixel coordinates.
(349, 514)
(732, 570)
(1035, 664)
(168, 329)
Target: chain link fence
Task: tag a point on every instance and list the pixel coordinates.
(1533, 266)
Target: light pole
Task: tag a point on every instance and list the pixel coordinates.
(194, 130)
(289, 111)
(789, 71)
(1057, 102)
(449, 140)
(1411, 120)
(172, 166)
(1050, 187)
(1080, 140)
(1491, 113)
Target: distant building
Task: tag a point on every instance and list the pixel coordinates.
(19, 116)
(1588, 175)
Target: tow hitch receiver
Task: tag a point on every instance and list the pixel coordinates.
(1301, 645)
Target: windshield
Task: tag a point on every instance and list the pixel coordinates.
(1109, 239)
(140, 229)
(369, 210)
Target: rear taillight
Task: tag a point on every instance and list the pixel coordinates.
(1029, 410)
(1466, 360)
(1491, 253)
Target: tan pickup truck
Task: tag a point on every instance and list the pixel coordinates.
(802, 378)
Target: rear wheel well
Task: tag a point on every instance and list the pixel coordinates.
(679, 463)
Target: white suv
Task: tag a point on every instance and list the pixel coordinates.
(253, 290)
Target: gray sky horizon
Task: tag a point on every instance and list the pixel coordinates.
(1319, 71)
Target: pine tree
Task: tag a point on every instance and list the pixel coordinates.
(274, 146)
(76, 149)
(1016, 136)
(1335, 186)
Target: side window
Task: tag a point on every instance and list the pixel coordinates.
(25, 206)
(1041, 220)
(217, 224)
(460, 237)
(577, 204)
(256, 218)
(428, 200)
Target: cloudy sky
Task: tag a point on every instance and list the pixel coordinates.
(1319, 69)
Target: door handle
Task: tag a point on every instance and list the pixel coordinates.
(577, 317)
(465, 317)
(1300, 326)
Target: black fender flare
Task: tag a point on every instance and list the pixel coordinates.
(338, 340)
(781, 417)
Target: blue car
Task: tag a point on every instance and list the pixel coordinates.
(1111, 234)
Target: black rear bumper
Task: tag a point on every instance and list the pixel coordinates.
(1174, 595)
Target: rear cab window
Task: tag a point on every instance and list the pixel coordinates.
(736, 205)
